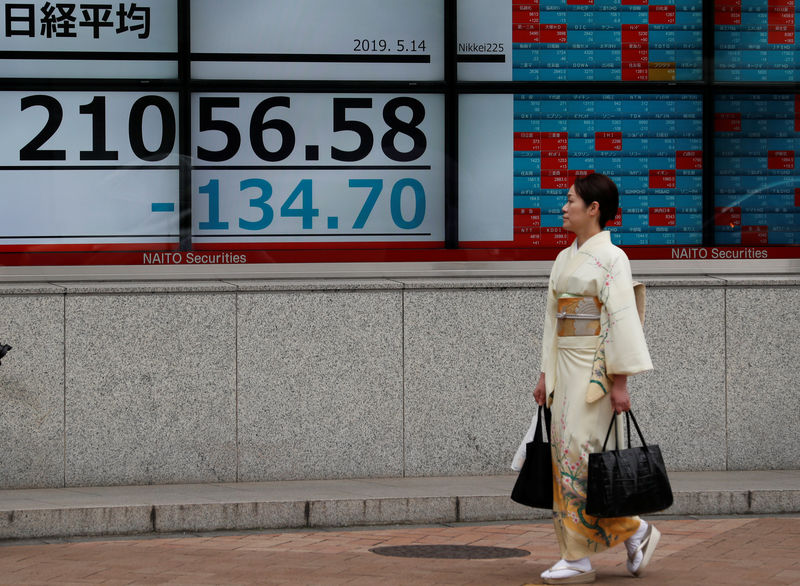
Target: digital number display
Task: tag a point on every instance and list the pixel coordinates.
(89, 168)
(89, 40)
(318, 39)
(650, 145)
(757, 183)
(754, 40)
(317, 168)
(580, 40)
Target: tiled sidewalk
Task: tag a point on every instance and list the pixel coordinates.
(742, 550)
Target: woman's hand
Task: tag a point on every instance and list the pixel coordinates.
(540, 391)
(620, 400)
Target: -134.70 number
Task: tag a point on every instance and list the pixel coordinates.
(304, 208)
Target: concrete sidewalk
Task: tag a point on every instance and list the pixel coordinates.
(125, 510)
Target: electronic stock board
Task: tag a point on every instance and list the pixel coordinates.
(123, 151)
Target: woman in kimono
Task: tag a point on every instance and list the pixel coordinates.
(592, 342)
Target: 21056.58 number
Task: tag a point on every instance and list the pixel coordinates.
(343, 121)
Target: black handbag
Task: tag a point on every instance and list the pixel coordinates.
(627, 482)
(534, 485)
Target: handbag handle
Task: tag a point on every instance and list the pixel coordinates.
(628, 418)
(537, 435)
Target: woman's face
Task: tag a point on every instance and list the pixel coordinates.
(576, 215)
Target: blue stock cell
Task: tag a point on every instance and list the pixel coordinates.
(635, 220)
(525, 201)
(634, 201)
(661, 239)
(593, 38)
(689, 238)
(689, 183)
(629, 239)
(661, 201)
(755, 20)
(727, 238)
(582, 163)
(526, 185)
(632, 184)
(689, 220)
(771, 219)
(551, 221)
(689, 74)
(783, 238)
(575, 127)
(532, 164)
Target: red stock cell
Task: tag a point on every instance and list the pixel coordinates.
(689, 159)
(527, 141)
(780, 160)
(755, 235)
(525, 33)
(728, 122)
(634, 33)
(553, 179)
(661, 14)
(797, 197)
(553, 33)
(780, 35)
(635, 74)
(554, 162)
(555, 141)
(728, 217)
(527, 238)
(529, 18)
(780, 12)
(525, 16)
(555, 237)
(727, 17)
(662, 179)
(608, 141)
(530, 220)
(638, 59)
(661, 217)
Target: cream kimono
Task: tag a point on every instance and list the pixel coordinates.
(577, 371)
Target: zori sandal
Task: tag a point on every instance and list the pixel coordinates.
(565, 573)
(647, 547)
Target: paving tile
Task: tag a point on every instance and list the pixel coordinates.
(745, 550)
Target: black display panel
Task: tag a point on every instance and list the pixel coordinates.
(757, 183)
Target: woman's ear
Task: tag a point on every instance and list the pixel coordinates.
(594, 208)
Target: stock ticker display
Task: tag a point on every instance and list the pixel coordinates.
(754, 40)
(757, 182)
(651, 145)
(607, 40)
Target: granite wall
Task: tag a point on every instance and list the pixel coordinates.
(220, 381)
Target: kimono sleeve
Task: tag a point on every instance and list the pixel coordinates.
(548, 364)
(625, 347)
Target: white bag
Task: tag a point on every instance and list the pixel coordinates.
(519, 457)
